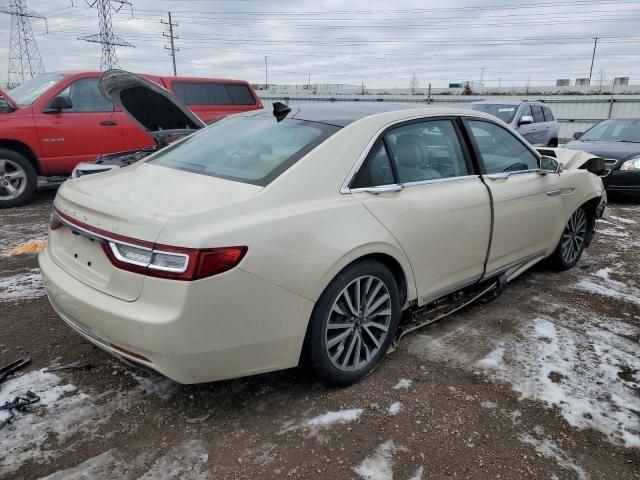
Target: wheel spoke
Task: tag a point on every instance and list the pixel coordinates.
(347, 356)
(347, 299)
(357, 295)
(17, 175)
(336, 308)
(339, 326)
(383, 298)
(376, 342)
(10, 188)
(372, 296)
(3, 165)
(356, 362)
(377, 325)
(338, 338)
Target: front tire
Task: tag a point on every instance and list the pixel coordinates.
(18, 179)
(573, 240)
(353, 323)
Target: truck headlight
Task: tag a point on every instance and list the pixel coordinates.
(629, 165)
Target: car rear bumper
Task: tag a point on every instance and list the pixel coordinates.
(231, 325)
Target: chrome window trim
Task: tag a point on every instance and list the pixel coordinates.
(494, 176)
(345, 189)
(394, 187)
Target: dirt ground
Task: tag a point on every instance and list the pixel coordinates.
(543, 383)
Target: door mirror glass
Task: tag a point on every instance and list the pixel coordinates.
(61, 102)
(549, 165)
(525, 120)
(577, 135)
(5, 107)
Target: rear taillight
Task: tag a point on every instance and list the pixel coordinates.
(54, 221)
(157, 260)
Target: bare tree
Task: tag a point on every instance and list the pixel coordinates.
(414, 84)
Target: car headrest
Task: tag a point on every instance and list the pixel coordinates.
(408, 151)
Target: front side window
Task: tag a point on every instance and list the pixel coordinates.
(501, 152)
(254, 149)
(209, 93)
(504, 112)
(31, 90)
(526, 112)
(538, 116)
(86, 97)
(420, 152)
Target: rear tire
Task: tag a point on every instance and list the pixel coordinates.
(553, 143)
(573, 240)
(18, 179)
(353, 323)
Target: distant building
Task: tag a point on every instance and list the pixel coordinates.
(563, 82)
(582, 82)
(621, 81)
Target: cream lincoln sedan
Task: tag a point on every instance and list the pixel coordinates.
(318, 233)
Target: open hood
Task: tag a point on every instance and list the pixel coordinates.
(155, 109)
(8, 99)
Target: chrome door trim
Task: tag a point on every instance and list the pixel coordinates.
(499, 176)
(515, 263)
(395, 187)
(450, 289)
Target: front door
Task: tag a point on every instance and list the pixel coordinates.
(525, 203)
(80, 133)
(527, 130)
(438, 209)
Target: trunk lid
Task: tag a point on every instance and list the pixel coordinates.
(156, 110)
(134, 202)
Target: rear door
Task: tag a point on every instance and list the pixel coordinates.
(80, 133)
(214, 99)
(418, 181)
(541, 127)
(525, 202)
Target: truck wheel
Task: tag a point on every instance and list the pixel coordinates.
(18, 179)
(353, 323)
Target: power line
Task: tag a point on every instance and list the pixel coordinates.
(106, 37)
(171, 37)
(25, 61)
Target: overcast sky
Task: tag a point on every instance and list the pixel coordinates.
(379, 43)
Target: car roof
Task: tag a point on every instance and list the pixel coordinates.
(508, 102)
(343, 113)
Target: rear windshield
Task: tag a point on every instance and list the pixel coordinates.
(502, 111)
(208, 93)
(31, 90)
(254, 149)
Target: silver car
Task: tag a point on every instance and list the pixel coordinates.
(533, 120)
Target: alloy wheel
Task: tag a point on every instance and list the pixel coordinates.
(358, 323)
(13, 179)
(573, 236)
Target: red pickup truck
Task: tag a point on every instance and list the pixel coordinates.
(52, 122)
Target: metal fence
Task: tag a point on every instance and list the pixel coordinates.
(576, 113)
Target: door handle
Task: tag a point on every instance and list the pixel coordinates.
(109, 123)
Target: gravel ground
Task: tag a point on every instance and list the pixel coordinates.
(542, 383)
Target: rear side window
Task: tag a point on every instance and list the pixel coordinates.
(421, 151)
(210, 93)
(548, 116)
(538, 116)
(254, 149)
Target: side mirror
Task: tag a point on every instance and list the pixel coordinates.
(525, 120)
(577, 135)
(58, 104)
(5, 107)
(550, 165)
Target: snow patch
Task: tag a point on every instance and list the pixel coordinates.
(63, 419)
(105, 465)
(330, 418)
(614, 233)
(394, 408)
(548, 449)
(403, 384)
(23, 286)
(591, 287)
(628, 221)
(418, 475)
(379, 466)
(488, 404)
